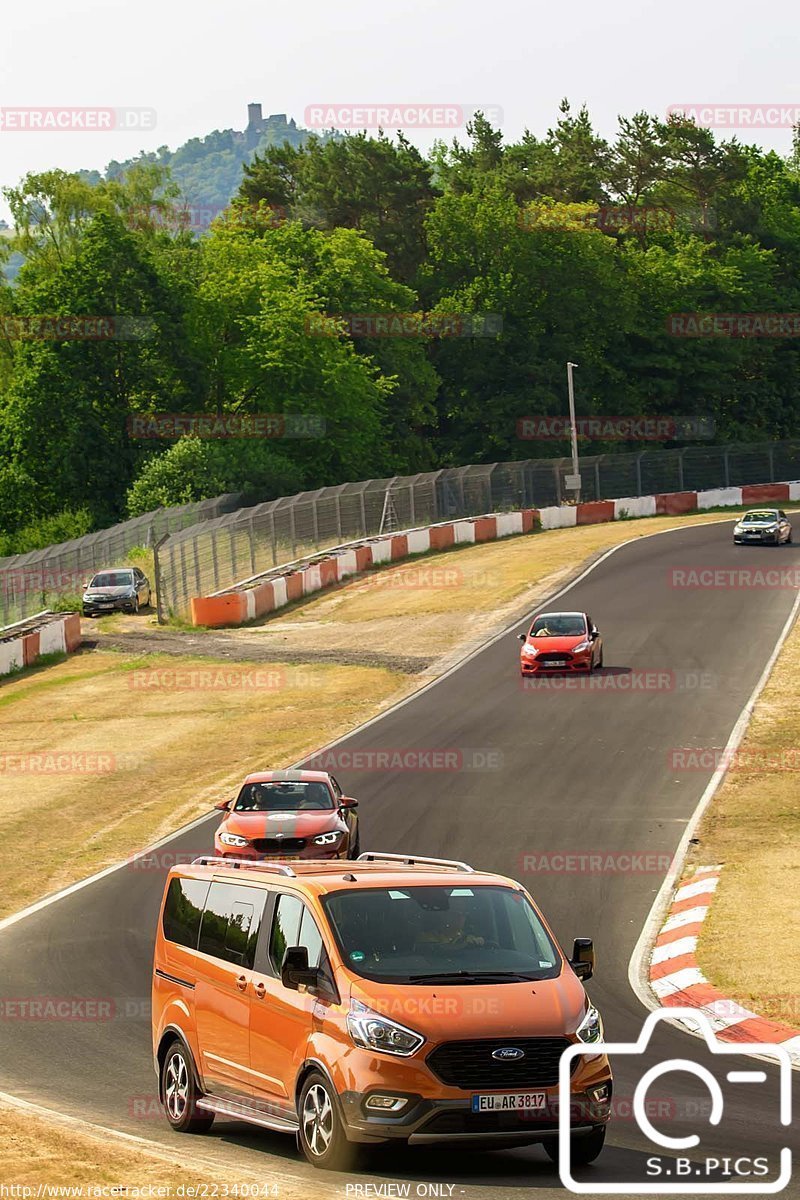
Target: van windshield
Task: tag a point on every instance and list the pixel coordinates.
(442, 934)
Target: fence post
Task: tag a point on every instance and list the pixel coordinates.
(557, 480)
(771, 463)
(159, 579)
(597, 495)
(639, 458)
(234, 568)
(197, 566)
(252, 536)
(214, 563)
(363, 514)
(293, 531)
(272, 536)
(338, 516)
(727, 465)
(680, 470)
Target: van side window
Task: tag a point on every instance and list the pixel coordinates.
(285, 928)
(311, 938)
(183, 911)
(231, 921)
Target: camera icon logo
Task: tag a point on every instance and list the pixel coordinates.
(699, 1175)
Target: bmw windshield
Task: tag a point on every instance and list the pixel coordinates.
(443, 934)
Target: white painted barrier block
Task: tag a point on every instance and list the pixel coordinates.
(10, 656)
(559, 518)
(419, 541)
(635, 506)
(794, 491)
(508, 524)
(279, 591)
(312, 579)
(346, 564)
(52, 638)
(719, 497)
(250, 602)
(381, 551)
(464, 531)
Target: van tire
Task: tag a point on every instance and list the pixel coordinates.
(584, 1149)
(321, 1136)
(179, 1094)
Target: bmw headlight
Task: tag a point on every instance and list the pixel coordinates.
(591, 1027)
(328, 839)
(371, 1031)
(233, 839)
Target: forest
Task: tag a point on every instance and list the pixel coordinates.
(361, 309)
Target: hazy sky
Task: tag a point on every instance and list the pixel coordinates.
(198, 64)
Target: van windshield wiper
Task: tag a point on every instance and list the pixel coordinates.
(473, 977)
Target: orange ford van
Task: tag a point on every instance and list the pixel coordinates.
(381, 1000)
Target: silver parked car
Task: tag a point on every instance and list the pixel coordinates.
(768, 526)
(126, 589)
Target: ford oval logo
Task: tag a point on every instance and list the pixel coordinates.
(508, 1053)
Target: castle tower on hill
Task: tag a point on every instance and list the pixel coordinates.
(258, 123)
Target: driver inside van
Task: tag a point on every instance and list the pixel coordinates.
(446, 927)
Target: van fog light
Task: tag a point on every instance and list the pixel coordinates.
(386, 1103)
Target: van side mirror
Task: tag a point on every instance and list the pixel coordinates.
(295, 971)
(582, 961)
(224, 805)
(521, 637)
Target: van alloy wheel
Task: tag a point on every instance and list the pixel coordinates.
(317, 1119)
(176, 1086)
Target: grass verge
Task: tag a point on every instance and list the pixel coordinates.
(753, 827)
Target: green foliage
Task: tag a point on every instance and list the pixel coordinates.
(60, 527)
(582, 247)
(192, 470)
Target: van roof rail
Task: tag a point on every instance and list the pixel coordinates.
(412, 860)
(238, 863)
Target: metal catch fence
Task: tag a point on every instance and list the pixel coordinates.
(212, 555)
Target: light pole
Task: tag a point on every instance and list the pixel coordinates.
(573, 481)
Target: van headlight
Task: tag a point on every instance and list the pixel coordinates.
(591, 1027)
(233, 839)
(371, 1031)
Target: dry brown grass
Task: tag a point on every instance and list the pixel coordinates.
(165, 755)
(429, 605)
(753, 828)
(36, 1148)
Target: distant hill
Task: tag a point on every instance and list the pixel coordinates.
(208, 170)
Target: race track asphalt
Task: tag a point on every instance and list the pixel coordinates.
(534, 773)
